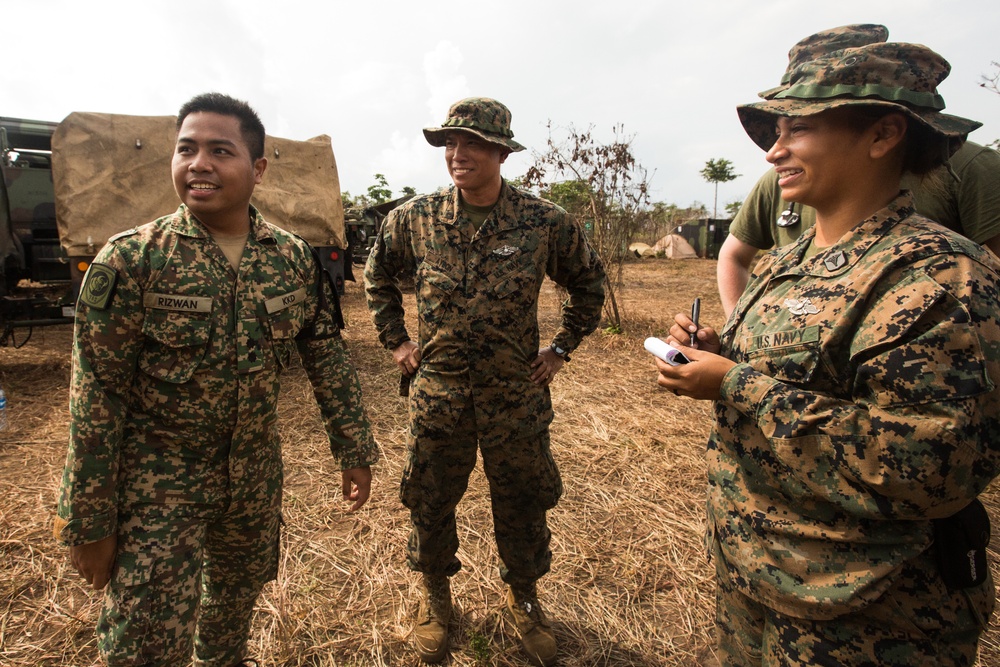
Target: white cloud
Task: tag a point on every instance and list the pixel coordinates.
(371, 75)
(445, 82)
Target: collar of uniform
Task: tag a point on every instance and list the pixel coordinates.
(502, 217)
(843, 255)
(187, 224)
(258, 230)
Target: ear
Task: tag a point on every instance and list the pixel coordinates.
(889, 132)
(503, 155)
(259, 165)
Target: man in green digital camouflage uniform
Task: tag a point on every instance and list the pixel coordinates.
(964, 196)
(172, 485)
(856, 388)
(478, 252)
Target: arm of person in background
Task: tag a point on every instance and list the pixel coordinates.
(979, 196)
(733, 271)
(749, 231)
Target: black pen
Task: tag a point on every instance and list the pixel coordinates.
(695, 312)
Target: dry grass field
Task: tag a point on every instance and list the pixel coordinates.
(630, 584)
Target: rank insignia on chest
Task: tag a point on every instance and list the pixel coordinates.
(801, 307)
(505, 251)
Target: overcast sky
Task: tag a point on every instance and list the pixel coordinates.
(371, 74)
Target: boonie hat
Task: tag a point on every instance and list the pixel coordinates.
(484, 117)
(826, 41)
(895, 74)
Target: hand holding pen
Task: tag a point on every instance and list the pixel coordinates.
(702, 377)
(695, 313)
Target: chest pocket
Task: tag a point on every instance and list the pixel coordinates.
(787, 356)
(286, 314)
(515, 275)
(176, 343)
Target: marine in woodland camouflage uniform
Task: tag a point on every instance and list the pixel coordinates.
(478, 342)
(174, 442)
(964, 195)
(862, 406)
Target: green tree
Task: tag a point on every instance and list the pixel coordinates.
(733, 207)
(350, 201)
(718, 171)
(574, 196)
(408, 191)
(606, 186)
(379, 192)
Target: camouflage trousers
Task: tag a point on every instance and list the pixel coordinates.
(916, 622)
(185, 582)
(524, 483)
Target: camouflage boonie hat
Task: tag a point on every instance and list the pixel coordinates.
(825, 42)
(894, 74)
(484, 117)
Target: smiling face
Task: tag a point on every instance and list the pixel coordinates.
(474, 166)
(213, 171)
(819, 158)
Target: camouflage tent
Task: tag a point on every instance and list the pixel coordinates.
(112, 172)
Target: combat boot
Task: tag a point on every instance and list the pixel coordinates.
(430, 631)
(537, 637)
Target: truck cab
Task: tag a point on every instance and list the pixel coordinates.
(34, 271)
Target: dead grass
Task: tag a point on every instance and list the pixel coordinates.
(630, 584)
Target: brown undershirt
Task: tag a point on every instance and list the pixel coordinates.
(232, 247)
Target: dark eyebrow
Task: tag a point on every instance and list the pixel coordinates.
(210, 142)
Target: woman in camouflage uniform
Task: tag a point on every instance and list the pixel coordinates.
(855, 388)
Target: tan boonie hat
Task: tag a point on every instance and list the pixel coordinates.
(484, 117)
(894, 74)
(827, 41)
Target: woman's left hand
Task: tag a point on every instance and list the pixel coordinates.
(700, 379)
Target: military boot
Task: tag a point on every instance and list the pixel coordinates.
(537, 637)
(430, 631)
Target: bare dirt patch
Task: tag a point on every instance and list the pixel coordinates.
(630, 584)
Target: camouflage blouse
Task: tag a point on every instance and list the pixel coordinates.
(864, 403)
(477, 303)
(176, 363)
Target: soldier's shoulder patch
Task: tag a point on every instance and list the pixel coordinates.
(121, 235)
(98, 286)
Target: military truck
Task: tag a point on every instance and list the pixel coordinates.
(34, 273)
(68, 187)
(362, 225)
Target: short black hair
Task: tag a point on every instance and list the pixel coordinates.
(250, 125)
